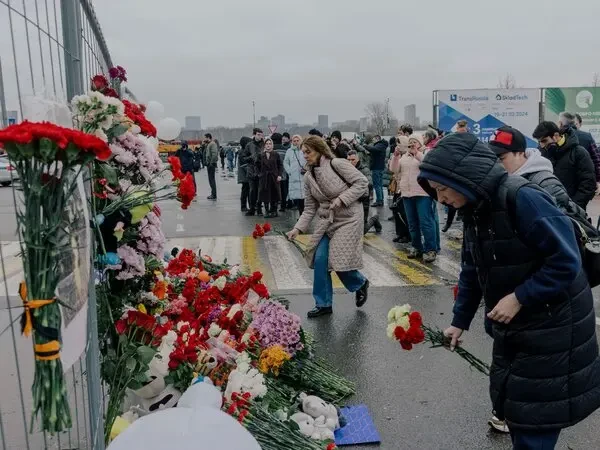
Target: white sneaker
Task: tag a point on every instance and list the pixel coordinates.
(498, 425)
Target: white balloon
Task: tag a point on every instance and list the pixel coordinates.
(155, 111)
(168, 129)
(185, 429)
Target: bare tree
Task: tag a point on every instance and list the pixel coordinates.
(596, 80)
(507, 82)
(380, 116)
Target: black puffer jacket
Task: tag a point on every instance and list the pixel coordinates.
(249, 157)
(545, 370)
(574, 168)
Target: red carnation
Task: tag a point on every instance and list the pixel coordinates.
(255, 234)
(99, 82)
(267, 227)
(175, 163)
(415, 319)
(261, 290)
(415, 335)
(186, 191)
(110, 92)
(399, 333)
(121, 326)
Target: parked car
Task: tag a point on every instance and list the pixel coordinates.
(7, 172)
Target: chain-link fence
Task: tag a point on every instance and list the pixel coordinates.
(49, 50)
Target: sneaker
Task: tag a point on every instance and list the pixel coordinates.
(319, 311)
(446, 228)
(429, 257)
(498, 425)
(413, 253)
(362, 294)
(210, 197)
(376, 205)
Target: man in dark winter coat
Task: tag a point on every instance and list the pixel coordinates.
(378, 153)
(586, 140)
(520, 254)
(243, 175)
(186, 156)
(284, 183)
(286, 140)
(510, 145)
(249, 157)
(572, 163)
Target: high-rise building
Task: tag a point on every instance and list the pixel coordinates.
(193, 123)
(279, 121)
(323, 122)
(410, 114)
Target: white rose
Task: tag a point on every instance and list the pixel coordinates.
(390, 330)
(214, 330)
(220, 283)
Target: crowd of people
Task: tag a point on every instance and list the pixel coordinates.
(525, 246)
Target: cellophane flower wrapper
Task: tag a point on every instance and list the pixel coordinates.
(48, 160)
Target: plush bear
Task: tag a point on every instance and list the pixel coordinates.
(316, 408)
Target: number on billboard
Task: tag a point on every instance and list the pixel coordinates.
(476, 128)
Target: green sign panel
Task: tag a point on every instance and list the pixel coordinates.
(584, 101)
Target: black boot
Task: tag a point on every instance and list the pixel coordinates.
(319, 311)
(250, 213)
(362, 294)
(377, 224)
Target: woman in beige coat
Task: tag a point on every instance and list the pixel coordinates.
(332, 189)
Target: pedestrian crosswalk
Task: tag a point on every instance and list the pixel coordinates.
(285, 269)
(282, 264)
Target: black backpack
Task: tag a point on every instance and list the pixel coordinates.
(588, 237)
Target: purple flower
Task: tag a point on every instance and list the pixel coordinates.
(276, 325)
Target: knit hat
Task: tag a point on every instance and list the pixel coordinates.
(336, 134)
(416, 137)
(507, 139)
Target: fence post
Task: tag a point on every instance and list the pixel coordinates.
(71, 27)
(3, 111)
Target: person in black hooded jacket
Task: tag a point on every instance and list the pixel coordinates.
(572, 163)
(520, 254)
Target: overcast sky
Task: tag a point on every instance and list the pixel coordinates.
(305, 57)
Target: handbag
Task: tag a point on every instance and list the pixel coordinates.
(393, 186)
(589, 248)
(302, 169)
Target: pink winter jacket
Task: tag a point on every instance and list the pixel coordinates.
(409, 171)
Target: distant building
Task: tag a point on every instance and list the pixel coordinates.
(279, 121)
(323, 122)
(193, 123)
(410, 115)
(263, 123)
(363, 124)
(417, 123)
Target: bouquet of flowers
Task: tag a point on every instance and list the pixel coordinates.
(48, 160)
(407, 328)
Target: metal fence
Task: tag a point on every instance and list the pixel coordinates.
(49, 50)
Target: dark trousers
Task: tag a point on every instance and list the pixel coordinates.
(534, 440)
(299, 203)
(271, 207)
(284, 186)
(400, 219)
(254, 201)
(222, 163)
(244, 195)
(212, 168)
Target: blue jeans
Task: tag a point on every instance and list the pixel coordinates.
(378, 185)
(438, 247)
(353, 280)
(230, 164)
(534, 440)
(421, 223)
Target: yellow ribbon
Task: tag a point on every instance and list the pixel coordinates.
(28, 305)
(48, 351)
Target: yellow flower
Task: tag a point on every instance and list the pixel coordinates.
(272, 359)
(141, 308)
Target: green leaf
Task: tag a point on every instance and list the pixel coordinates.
(131, 364)
(145, 353)
(109, 173)
(117, 131)
(47, 149)
(26, 150)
